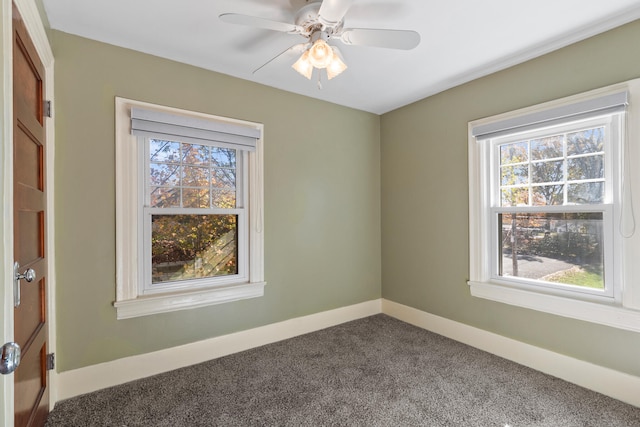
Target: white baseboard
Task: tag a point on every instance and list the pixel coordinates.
(95, 377)
(607, 381)
(603, 380)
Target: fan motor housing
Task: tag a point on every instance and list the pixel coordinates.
(307, 18)
(308, 14)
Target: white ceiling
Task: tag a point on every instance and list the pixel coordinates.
(460, 39)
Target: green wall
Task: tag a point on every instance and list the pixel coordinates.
(425, 233)
(328, 195)
(322, 201)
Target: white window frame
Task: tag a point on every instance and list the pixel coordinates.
(133, 299)
(619, 308)
(146, 287)
(607, 208)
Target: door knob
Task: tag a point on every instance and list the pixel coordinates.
(29, 275)
(10, 358)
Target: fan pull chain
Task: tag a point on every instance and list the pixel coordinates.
(319, 81)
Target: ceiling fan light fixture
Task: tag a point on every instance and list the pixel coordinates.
(337, 65)
(303, 65)
(319, 21)
(320, 54)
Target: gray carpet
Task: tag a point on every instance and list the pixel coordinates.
(376, 371)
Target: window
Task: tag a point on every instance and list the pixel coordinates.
(193, 215)
(552, 207)
(551, 221)
(189, 209)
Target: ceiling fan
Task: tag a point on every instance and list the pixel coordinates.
(321, 22)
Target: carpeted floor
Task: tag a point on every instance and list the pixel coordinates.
(376, 371)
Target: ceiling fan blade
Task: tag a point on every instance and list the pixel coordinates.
(332, 11)
(297, 48)
(391, 39)
(254, 21)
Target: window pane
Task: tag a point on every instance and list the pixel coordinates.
(223, 157)
(586, 193)
(514, 175)
(195, 154)
(586, 141)
(223, 178)
(546, 148)
(514, 153)
(164, 151)
(552, 171)
(162, 197)
(193, 247)
(589, 167)
(193, 170)
(515, 196)
(165, 175)
(195, 176)
(223, 199)
(553, 167)
(547, 195)
(562, 248)
(195, 197)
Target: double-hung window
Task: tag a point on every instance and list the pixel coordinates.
(549, 212)
(552, 206)
(189, 209)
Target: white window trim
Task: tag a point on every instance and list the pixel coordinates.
(129, 301)
(624, 313)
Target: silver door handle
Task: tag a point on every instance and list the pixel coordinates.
(10, 358)
(29, 275)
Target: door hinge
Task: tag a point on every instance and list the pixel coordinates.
(47, 109)
(51, 361)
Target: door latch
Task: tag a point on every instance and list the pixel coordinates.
(10, 358)
(29, 275)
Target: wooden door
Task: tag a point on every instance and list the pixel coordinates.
(30, 330)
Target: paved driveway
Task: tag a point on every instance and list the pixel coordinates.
(534, 267)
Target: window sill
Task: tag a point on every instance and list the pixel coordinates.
(164, 303)
(603, 314)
